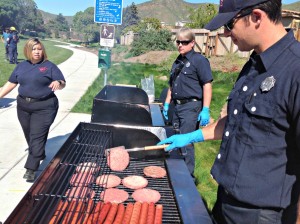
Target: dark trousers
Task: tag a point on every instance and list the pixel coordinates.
(228, 210)
(6, 52)
(185, 118)
(13, 54)
(36, 119)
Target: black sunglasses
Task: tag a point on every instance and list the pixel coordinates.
(183, 42)
(229, 26)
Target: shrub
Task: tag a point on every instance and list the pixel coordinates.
(151, 40)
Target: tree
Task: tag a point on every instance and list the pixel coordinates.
(61, 23)
(149, 24)
(130, 18)
(201, 16)
(8, 11)
(150, 40)
(56, 25)
(83, 22)
(28, 17)
(22, 14)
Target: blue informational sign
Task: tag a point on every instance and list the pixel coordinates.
(108, 11)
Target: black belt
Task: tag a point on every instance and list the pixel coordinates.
(185, 101)
(32, 100)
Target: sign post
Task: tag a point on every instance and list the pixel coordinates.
(107, 12)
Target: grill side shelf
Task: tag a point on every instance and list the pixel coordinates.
(190, 204)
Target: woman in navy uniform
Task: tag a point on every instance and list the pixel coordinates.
(190, 90)
(37, 105)
(257, 167)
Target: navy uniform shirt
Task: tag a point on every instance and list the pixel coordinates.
(195, 73)
(34, 79)
(13, 39)
(259, 158)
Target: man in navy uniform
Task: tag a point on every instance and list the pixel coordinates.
(12, 42)
(257, 167)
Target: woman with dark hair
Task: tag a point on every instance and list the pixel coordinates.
(37, 105)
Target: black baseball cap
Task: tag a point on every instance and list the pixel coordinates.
(228, 9)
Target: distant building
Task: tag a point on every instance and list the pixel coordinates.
(180, 24)
(291, 19)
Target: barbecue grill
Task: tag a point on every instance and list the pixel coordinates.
(125, 105)
(86, 144)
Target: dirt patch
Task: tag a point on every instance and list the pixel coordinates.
(229, 63)
(152, 57)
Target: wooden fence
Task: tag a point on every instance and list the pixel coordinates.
(213, 43)
(207, 43)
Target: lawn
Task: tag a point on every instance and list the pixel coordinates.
(55, 54)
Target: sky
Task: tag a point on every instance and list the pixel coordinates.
(71, 7)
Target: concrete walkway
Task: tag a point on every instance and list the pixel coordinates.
(80, 71)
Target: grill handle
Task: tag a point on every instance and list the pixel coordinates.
(154, 147)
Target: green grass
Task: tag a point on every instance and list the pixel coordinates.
(206, 151)
(121, 73)
(55, 54)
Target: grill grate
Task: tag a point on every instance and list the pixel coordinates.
(88, 146)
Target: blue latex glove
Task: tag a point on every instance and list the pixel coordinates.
(165, 110)
(181, 140)
(204, 116)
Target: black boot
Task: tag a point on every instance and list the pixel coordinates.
(29, 175)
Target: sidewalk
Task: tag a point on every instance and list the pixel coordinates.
(80, 71)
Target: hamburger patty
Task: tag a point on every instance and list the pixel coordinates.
(155, 171)
(118, 158)
(87, 167)
(135, 182)
(108, 181)
(80, 192)
(114, 195)
(81, 179)
(146, 195)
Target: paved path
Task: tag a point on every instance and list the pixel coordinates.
(80, 70)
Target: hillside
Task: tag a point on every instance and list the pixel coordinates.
(294, 6)
(168, 11)
(49, 16)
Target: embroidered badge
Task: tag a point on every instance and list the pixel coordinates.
(188, 64)
(43, 69)
(267, 84)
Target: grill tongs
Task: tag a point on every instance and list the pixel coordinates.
(137, 149)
